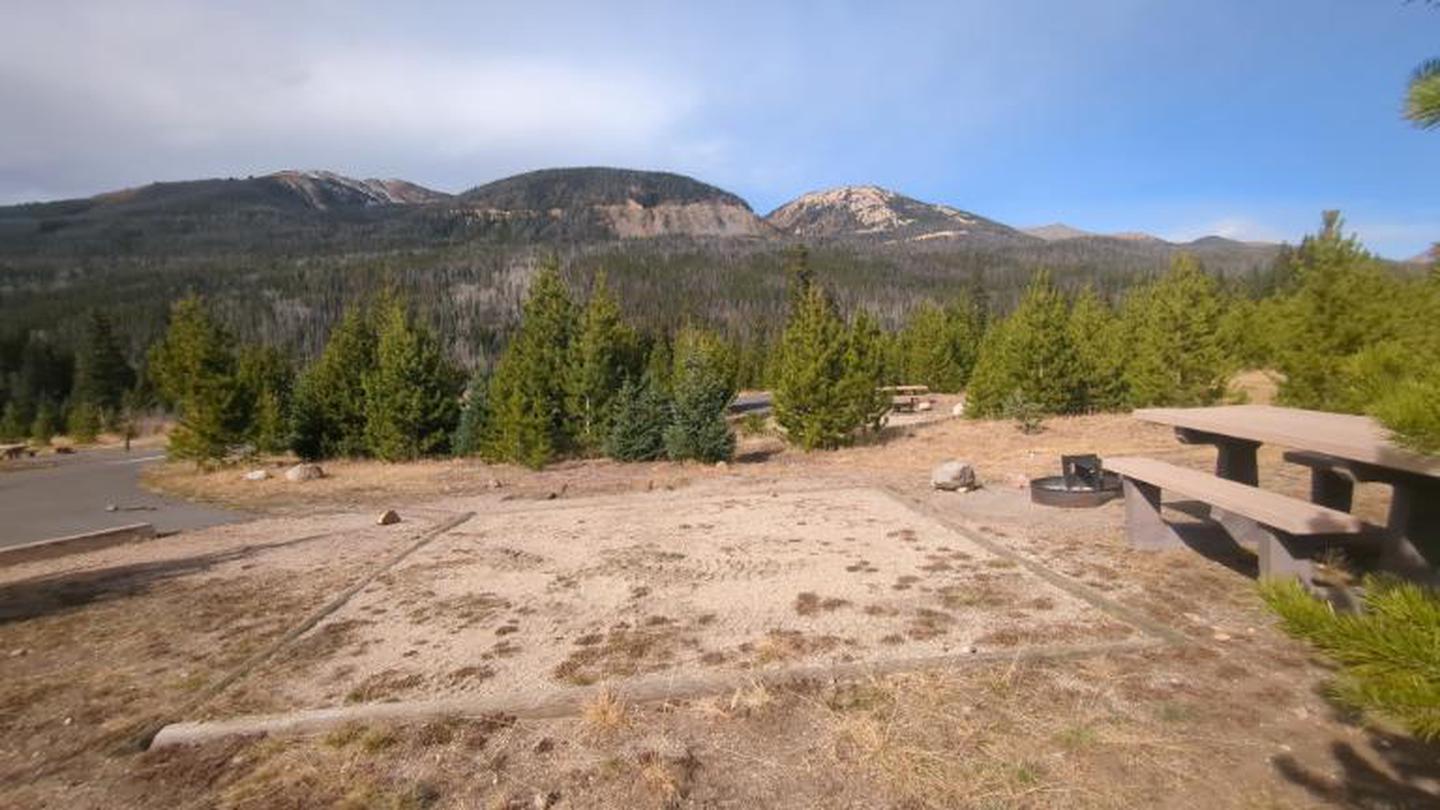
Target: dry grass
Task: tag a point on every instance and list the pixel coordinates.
(1026, 738)
(605, 713)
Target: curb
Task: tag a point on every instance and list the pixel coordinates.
(637, 691)
(76, 543)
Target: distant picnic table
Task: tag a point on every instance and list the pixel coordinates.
(905, 398)
(1339, 450)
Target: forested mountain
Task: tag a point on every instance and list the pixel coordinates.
(281, 255)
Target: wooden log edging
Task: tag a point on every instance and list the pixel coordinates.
(637, 691)
(144, 737)
(76, 543)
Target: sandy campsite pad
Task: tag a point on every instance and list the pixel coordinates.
(525, 600)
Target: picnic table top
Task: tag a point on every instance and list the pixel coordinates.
(1356, 438)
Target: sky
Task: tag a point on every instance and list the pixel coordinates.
(1242, 118)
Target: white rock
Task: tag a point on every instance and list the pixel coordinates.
(953, 475)
(958, 409)
(388, 517)
(304, 472)
(256, 475)
(925, 405)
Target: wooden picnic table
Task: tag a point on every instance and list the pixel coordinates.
(1237, 431)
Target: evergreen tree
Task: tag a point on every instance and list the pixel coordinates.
(265, 375)
(1101, 347)
(84, 422)
(1173, 331)
(328, 412)
(602, 356)
(193, 367)
(642, 413)
(866, 354)
(12, 423)
(1342, 302)
(46, 424)
(660, 363)
(474, 416)
(826, 376)
(101, 374)
(528, 422)
(703, 385)
(1030, 352)
(938, 346)
(411, 406)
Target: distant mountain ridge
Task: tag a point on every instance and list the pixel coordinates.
(301, 211)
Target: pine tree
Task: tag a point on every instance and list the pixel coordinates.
(46, 424)
(328, 411)
(642, 413)
(938, 346)
(528, 422)
(1342, 302)
(101, 373)
(265, 375)
(1173, 331)
(12, 423)
(474, 416)
(703, 385)
(602, 356)
(866, 353)
(1030, 352)
(84, 422)
(826, 376)
(193, 367)
(1099, 339)
(411, 404)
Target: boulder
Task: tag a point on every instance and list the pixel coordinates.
(256, 475)
(958, 409)
(388, 517)
(953, 475)
(304, 472)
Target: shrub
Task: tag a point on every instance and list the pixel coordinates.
(1389, 656)
(703, 384)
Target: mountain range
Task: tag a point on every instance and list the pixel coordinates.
(550, 205)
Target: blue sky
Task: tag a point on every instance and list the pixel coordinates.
(1176, 118)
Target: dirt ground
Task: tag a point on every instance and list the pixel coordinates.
(590, 576)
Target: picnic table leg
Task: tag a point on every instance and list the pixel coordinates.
(1412, 545)
(1280, 556)
(1332, 488)
(1235, 460)
(1147, 530)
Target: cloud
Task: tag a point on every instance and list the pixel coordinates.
(94, 98)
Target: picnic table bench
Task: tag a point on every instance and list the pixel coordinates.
(12, 451)
(1285, 531)
(1339, 449)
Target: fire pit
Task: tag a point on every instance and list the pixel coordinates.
(1082, 484)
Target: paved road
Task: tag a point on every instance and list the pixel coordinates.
(53, 496)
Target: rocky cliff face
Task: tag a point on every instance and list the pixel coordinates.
(872, 212)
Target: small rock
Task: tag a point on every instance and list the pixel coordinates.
(110, 507)
(958, 409)
(1221, 636)
(304, 472)
(720, 465)
(19, 651)
(256, 475)
(495, 483)
(68, 721)
(925, 405)
(388, 517)
(545, 800)
(953, 475)
(544, 745)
